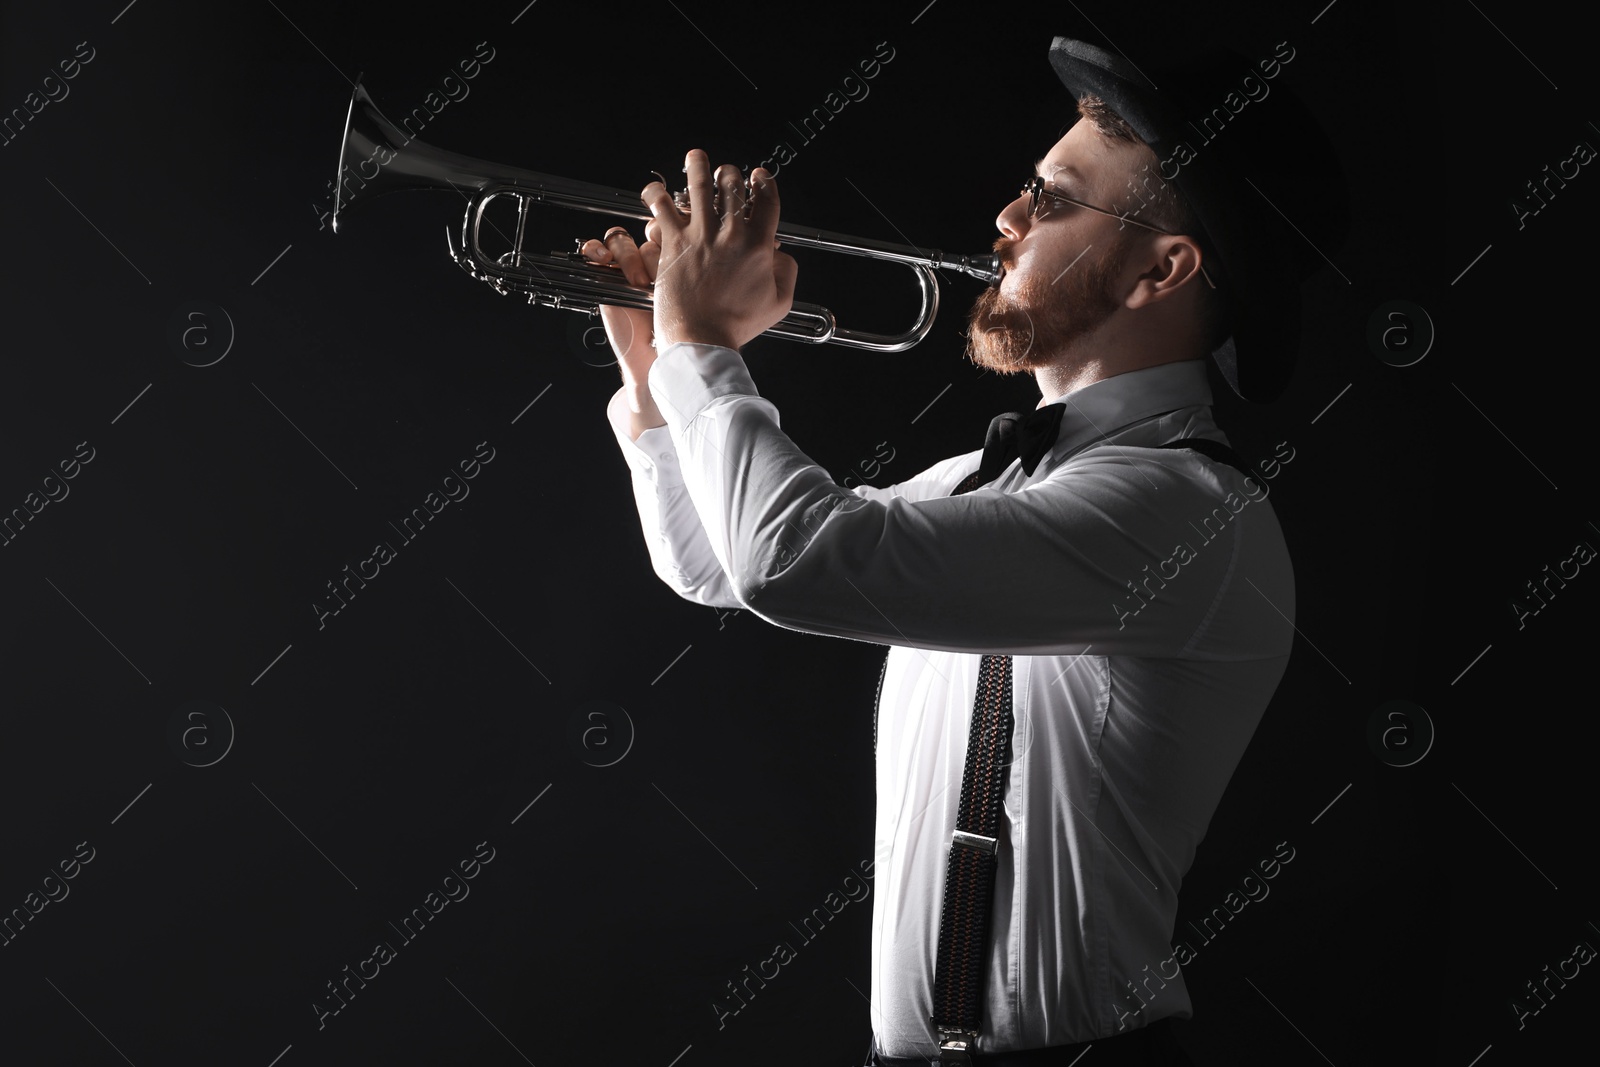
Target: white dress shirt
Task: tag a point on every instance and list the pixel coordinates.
(1146, 595)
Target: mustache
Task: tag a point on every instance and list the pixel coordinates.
(1002, 248)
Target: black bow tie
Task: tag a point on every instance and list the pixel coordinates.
(1013, 434)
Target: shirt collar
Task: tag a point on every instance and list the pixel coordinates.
(1100, 409)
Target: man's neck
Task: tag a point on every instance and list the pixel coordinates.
(1056, 381)
(1059, 379)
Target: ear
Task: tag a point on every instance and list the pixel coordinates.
(1170, 262)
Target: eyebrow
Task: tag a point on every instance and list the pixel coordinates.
(1060, 168)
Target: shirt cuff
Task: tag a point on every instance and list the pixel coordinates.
(653, 456)
(686, 377)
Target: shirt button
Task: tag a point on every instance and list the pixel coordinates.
(666, 456)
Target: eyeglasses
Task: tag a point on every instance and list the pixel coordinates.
(1034, 189)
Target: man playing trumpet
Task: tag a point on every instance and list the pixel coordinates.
(1091, 584)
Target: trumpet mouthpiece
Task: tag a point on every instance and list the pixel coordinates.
(984, 267)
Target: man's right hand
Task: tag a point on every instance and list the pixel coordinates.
(631, 331)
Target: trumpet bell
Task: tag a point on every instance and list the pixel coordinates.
(377, 157)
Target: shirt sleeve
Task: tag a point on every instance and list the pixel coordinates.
(1093, 556)
(680, 553)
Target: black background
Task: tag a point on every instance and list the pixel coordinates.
(370, 755)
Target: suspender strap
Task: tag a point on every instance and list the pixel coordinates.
(1213, 450)
(963, 958)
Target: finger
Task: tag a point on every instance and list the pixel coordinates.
(730, 186)
(701, 189)
(620, 242)
(665, 212)
(764, 206)
(784, 272)
(650, 252)
(594, 251)
(652, 233)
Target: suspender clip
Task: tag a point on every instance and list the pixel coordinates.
(976, 842)
(955, 1046)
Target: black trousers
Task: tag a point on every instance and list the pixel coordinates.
(1148, 1046)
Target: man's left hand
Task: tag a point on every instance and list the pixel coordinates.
(721, 280)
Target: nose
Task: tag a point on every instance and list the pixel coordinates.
(1013, 219)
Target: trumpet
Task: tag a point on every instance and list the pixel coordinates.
(377, 157)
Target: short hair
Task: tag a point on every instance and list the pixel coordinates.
(1165, 208)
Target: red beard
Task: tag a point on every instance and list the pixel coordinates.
(1032, 327)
